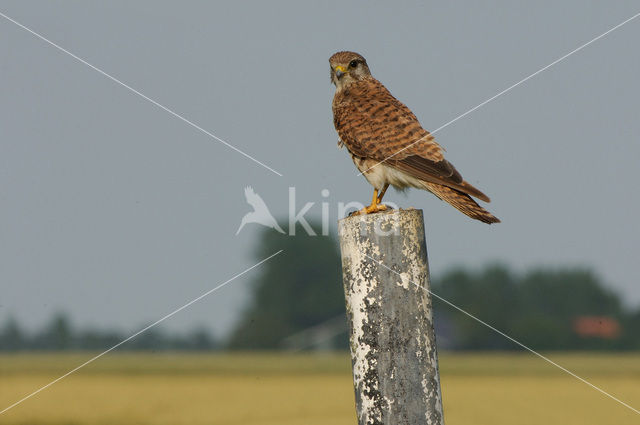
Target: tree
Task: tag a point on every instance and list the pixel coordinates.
(300, 288)
(488, 295)
(12, 337)
(631, 331)
(551, 300)
(57, 335)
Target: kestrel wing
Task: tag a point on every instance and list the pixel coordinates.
(424, 170)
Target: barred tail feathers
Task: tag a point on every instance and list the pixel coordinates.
(461, 201)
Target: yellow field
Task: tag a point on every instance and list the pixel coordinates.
(280, 389)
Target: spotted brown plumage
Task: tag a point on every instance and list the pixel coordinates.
(388, 144)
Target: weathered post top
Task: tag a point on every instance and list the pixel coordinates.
(392, 340)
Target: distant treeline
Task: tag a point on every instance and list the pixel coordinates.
(299, 298)
(298, 303)
(544, 308)
(59, 334)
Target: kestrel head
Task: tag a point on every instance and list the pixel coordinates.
(347, 68)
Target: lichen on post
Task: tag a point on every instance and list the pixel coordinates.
(392, 338)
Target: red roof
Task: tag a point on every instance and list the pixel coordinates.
(596, 326)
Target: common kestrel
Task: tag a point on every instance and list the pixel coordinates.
(387, 143)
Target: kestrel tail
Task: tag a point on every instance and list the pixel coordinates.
(388, 144)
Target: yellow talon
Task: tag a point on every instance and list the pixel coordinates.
(376, 205)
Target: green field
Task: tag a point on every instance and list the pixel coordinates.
(282, 389)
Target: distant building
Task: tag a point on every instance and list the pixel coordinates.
(596, 327)
(321, 337)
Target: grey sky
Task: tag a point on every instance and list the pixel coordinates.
(117, 212)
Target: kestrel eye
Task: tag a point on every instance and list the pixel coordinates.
(353, 63)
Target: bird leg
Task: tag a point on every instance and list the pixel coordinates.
(382, 192)
(376, 205)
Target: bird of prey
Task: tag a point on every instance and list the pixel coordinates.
(387, 143)
(260, 213)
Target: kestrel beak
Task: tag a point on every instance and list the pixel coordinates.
(340, 71)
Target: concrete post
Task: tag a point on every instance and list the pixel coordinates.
(393, 351)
